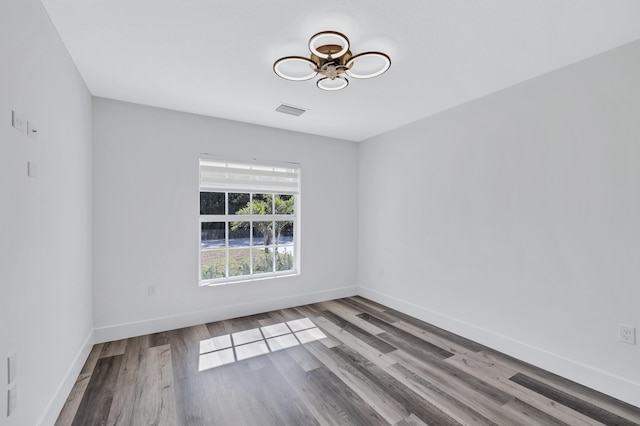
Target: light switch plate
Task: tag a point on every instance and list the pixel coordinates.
(32, 130)
(12, 367)
(19, 122)
(12, 400)
(32, 169)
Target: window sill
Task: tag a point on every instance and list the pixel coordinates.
(228, 281)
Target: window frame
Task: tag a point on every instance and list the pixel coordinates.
(227, 219)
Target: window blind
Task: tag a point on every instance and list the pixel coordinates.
(218, 175)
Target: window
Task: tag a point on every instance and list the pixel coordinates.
(248, 220)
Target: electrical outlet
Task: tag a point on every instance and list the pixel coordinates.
(12, 400)
(151, 290)
(627, 334)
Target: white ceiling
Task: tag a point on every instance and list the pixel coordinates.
(215, 58)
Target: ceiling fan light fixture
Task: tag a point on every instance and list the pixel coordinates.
(367, 65)
(332, 59)
(295, 68)
(332, 84)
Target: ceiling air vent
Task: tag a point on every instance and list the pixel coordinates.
(291, 110)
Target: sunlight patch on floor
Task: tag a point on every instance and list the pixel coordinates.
(229, 348)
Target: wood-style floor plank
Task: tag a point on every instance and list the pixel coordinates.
(440, 370)
(581, 392)
(350, 361)
(113, 348)
(154, 399)
(94, 355)
(121, 410)
(461, 341)
(190, 386)
(427, 336)
(350, 314)
(406, 341)
(390, 410)
(531, 415)
(412, 420)
(73, 401)
(77, 392)
(305, 360)
(270, 396)
(316, 316)
(308, 392)
(498, 375)
(374, 355)
(568, 400)
(386, 384)
(185, 348)
(144, 391)
(96, 402)
(370, 304)
(484, 400)
(350, 408)
(360, 306)
(158, 339)
(368, 338)
(430, 391)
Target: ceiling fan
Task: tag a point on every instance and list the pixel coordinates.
(332, 59)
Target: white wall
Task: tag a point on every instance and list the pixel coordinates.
(146, 207)
(515, 220)
(45, 243)
(521, 232)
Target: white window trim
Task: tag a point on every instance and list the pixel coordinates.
(291, 173)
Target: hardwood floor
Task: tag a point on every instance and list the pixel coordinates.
(344, 362)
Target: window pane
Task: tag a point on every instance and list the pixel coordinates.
(238, 203)
(212, 234)
(212, 203)
(284, 204)
(284, 231)
(239, 262)
(262, 234)
(262, 203)
(239, 234)
(262, 260)
(284, 258)
(213, 264)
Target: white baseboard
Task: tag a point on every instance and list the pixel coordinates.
(68, 380)
(591, 377)
(156, 325)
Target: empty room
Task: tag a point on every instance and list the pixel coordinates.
(319, 213)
